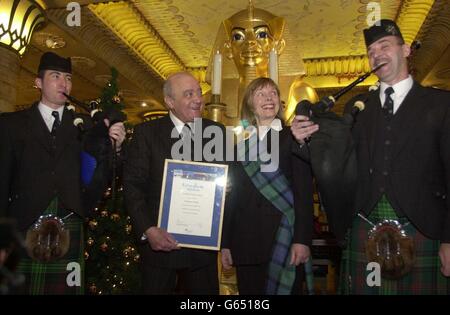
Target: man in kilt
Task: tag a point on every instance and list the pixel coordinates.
(40, 166)
(402, 204)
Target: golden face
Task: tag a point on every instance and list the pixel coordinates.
(252, 33)
(250, 46)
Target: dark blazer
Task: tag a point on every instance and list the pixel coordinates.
(33, 170)
(251, 221)
(143, 174)
(418, 174)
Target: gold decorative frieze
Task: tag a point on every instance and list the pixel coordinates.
(336, 71)
(411, 17)
(129, 25)
(337, 65)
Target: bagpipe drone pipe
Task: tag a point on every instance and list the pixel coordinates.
(331, 153)
(98, 156)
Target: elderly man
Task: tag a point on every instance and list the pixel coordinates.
(166, 266)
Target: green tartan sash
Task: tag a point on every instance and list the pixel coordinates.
(274, 187)
(50, 278)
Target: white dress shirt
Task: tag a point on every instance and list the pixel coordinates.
(179, 124)
(275, 125)
(46, 113)
(401, 89)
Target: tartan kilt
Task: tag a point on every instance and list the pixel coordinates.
(425, 277)
(50, 278)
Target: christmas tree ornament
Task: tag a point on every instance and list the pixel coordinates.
(86, 255)
(115, 217)
(128, 228)
(90, 241)
(116, 99)
(126, 253)
(104, 213)
(104, 247)
(93, 224)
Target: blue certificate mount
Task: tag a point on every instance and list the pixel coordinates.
(194, 171)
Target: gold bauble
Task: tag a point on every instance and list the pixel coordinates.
(107, 193)
(126, 253)
(128, 228)
(104, 213)
(93, 224)
(115, 217)
(104, 247)
(90, 241)
(116, 99)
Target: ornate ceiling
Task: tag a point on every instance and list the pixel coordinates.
(147, 40)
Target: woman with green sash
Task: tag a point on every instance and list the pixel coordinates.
(269, 212)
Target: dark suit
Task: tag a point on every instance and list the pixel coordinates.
(143, 174)
(415, 174)
(34, 170)
(251, 221)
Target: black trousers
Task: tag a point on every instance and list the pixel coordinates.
(252, 279)
(196, 281)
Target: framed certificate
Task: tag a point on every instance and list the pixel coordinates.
(192, 201)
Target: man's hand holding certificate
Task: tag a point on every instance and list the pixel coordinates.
(192, 200)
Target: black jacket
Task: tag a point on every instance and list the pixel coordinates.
(34, 170)
(416, 175)
(251, 221)
(143, 175)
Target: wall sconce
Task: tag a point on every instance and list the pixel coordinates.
(18, 19)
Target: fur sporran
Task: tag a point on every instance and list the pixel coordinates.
(389, 246)
(47, 240)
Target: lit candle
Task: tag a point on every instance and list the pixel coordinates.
(217, 74)
(273, 65)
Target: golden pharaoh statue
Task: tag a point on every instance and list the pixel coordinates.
(245, 39)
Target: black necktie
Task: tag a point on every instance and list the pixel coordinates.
(56, 123)
(388, 107)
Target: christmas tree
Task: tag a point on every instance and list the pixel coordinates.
(111, 255)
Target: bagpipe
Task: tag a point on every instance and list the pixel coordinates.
(97, 145)
(331, 153)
